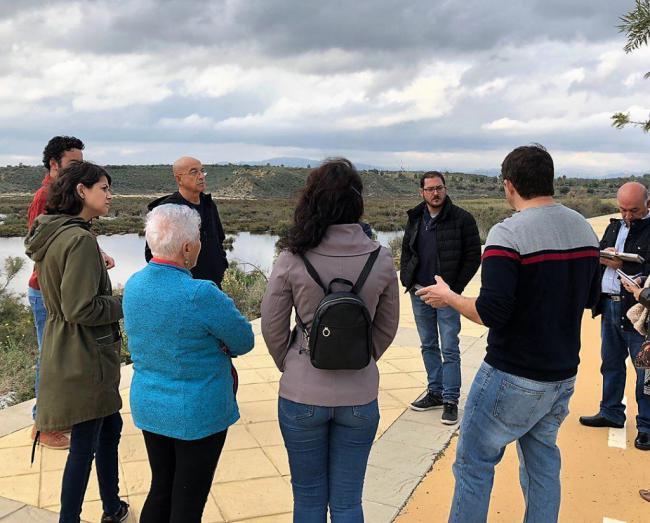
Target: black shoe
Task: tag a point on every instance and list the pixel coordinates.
(449, 414)
(642, 441)
(121, 515)
(599, 421)
(427, 402)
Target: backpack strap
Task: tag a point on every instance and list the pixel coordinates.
(312, 272)
(366, 271)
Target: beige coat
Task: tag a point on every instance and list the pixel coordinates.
(341, 254)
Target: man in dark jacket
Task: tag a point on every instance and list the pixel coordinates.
(619, 340)
(440, 238)
(190, 177)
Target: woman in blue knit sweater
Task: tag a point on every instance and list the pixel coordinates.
(182, 333)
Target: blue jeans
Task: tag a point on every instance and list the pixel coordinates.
(443, 372)
(35, 298)
(95, 439)
(617, 344)
(328, 451)
(502, 408)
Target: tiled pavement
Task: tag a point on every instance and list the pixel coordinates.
(252, 482)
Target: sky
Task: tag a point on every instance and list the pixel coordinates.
(429, 84)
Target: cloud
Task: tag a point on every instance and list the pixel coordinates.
(415, 83)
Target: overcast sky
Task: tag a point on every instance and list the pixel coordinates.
(395, 83)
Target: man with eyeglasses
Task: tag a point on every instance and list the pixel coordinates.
(439, 238)
(190, 178)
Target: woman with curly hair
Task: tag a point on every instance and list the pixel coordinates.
(328, 418)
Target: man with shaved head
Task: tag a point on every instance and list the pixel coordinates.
(190, 178)
(631, 234)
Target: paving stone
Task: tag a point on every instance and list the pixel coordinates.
(31, 515)
(256, 392)
(21, 488)
(398, 381)
(239, 438)
(238, 465)
(272, 496)
(7, 506)
(386, 418)
(52, 459)
(266, 433)
(19, 438)
(417, 434)
(394, 457)
(270, 374)
(259, 361)
(256, 411)
(388, 489)
(16, 417)
(137, 477)
(387, 401)
(17, 461)
(278, 456)
(408, 395)
(278, 518)
(408, 364)
(126, 375)
(247, 376)
(129, 427)
(378, 513)
(386, 368)
(132, 448)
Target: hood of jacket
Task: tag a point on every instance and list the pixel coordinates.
(45, 229)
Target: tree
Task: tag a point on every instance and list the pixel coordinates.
(636, 25)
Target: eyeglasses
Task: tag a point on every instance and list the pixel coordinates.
(435, 188)
(195, 172)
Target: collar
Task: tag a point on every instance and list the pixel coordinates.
(167, 263)
(347, 239)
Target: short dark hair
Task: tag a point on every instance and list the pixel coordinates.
(62, 197)
(57, 146)
(332, 195)
(431, 174)
(530, 170)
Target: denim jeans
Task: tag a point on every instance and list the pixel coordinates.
(443, 372)
(502, 408)
(35, 298)
(328, 450)
(617, 345)
(98, 439)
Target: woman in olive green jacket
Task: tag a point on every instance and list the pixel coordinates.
(80, 365)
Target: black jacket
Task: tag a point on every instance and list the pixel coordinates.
(637, 242)
(212, 262)
(458, 246)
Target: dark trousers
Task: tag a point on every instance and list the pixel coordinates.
(181, 476)
(98, 439)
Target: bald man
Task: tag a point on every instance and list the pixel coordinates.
(190, 178)
(619, 340)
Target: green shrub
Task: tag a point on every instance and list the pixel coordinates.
(18, 345)
(245, 288)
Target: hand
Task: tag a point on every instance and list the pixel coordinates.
(110, 262)
(612, 264)
(636, 291)
(435, 295)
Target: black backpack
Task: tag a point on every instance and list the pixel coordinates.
(341, 331)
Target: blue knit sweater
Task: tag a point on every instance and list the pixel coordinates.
(182, 387)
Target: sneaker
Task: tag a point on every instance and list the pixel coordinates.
(52, 440)
(121, 515)
(427, 402)
(449, 414)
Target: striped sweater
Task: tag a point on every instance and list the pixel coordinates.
(539, 271)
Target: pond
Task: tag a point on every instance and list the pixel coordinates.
(128, 251)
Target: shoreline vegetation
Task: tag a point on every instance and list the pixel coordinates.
(250, 198)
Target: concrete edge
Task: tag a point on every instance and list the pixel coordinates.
(407, 451)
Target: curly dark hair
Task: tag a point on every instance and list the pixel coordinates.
(57, 146)
(530, 170)
(332, 195)
(62, 196)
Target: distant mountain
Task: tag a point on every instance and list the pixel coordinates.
(305, 163)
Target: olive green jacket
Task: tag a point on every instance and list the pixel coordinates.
(80, 355)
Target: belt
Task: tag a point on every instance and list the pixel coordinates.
(613, 297)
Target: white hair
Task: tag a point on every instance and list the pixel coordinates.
(169, 226)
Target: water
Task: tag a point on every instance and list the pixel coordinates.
(128, 251)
